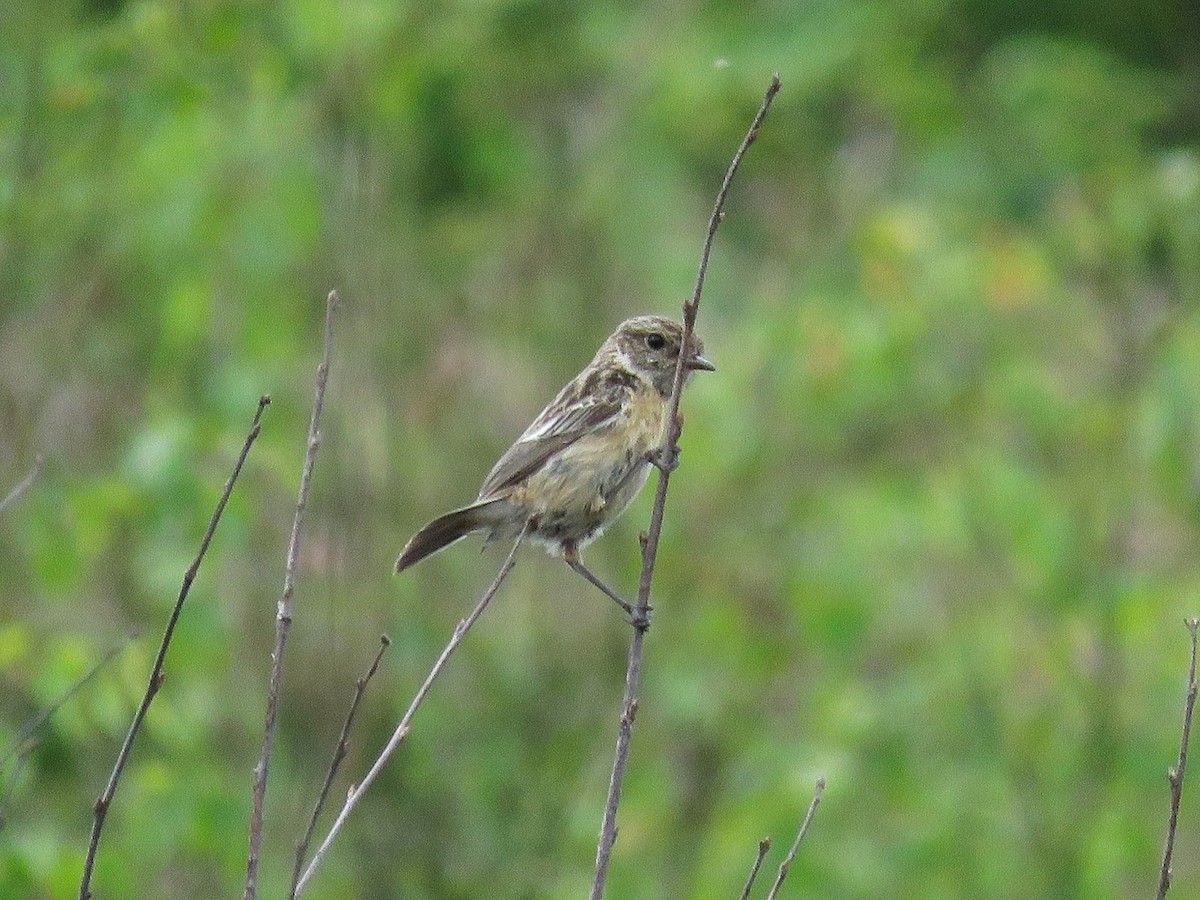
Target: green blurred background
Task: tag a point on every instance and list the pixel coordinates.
(936, 527)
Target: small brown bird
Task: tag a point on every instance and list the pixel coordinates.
(584, 459)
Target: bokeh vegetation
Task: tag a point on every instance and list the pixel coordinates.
(937, 523)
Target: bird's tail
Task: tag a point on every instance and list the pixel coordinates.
(445, 530)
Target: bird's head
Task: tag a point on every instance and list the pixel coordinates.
(649, 347)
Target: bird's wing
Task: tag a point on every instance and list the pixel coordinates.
(579, 409)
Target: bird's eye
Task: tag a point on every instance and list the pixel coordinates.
(655, 341)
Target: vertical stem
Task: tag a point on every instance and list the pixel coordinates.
(283, 615)
(1175, 773)
(667, 460)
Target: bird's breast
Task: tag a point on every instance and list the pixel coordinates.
(587, 484)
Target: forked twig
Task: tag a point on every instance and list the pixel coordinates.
(100, 810)
(667, 459)
(763, 846)
(787, 863)
(24, 484)
(339, 754)
(283, 614)
(1175, 773)
(355, 792)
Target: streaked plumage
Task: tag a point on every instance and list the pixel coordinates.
(585, 457)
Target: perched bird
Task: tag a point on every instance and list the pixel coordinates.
(584, 459)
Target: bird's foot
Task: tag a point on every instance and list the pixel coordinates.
(639, 617)
(666, 462)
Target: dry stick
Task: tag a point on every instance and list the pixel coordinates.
(339, 754)
(763, 846)
(157, 675)
(666, 462)
(283, 614)
(787, 863)
(1176, 772)
(24, 484)
(460, 630)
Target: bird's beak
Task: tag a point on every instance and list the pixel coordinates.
(698, 362)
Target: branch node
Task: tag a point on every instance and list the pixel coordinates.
(786, 865)
(763, 846)
(629, 714)
(1175, 774)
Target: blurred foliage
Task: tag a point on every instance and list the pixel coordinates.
(936, 527)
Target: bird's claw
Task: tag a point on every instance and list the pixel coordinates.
(639, 617)
(666, 462)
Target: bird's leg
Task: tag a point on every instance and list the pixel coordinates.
(639, 618)
(571, 555)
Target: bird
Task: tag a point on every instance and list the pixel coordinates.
(586, 456)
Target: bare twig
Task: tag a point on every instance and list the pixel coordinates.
(763, 846)
(24, 484)
(339, 754)
(667, 459)
(460, 630)
(283, 613)
(1175, 773)
(787, 863)
(100, 810)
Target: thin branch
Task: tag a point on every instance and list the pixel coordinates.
(460, 630)
(100, 810)
(283, 613)
(668, 458)
(339, 754)
(1175, 773)
(763, 846)
(24, 484)
(787, 863)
